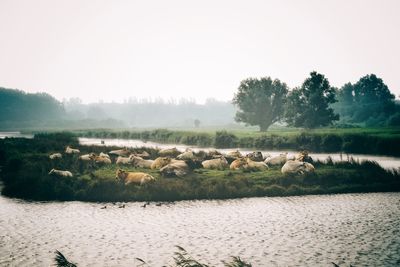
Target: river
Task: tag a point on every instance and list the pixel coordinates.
(357, 229)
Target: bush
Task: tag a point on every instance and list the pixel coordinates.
(223, 139)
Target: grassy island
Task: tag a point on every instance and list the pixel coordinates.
(25, 164)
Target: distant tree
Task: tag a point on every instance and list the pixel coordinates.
(197, 123)
(309, 105)
(16, 105)
(260, 102)
(372, 98)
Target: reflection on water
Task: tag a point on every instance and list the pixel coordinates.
(385, 162)
(14, 134)
(357, 229)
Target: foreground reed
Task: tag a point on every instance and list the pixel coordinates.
(181, 258)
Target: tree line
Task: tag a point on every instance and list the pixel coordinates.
(262, 102)
(258, 102)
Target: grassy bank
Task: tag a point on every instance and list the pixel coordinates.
(373, 141)
(25, 166)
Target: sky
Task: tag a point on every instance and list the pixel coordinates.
(103, 50)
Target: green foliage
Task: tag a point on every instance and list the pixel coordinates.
(368, 101)
(223, 139)
(19, 106)
(260, 101)
(309, 105)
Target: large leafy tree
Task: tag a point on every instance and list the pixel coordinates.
(372, 98)
(368, 101)
(260, 101)
(309, 105)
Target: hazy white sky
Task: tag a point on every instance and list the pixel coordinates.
(113, 50)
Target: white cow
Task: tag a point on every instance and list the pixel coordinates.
(297, 167)
(69, 150)
(60, 173)
(55, 156)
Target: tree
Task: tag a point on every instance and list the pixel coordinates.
(309, 105)
(372, 99)
(196, 123)
(260, 101)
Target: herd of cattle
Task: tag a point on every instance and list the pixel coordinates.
(172, 162)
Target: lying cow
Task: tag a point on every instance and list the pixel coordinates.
(169, 152)
(238, 164)
(231, 156)
(143, 155)
(69, 150)
(277, 160)
(120, 152)
(297, 167)
(177, 168)
(104, 155)
(255, 165)
(102, 160)
(140, 162)
(55, 156)
(255, 156)
(133, 177)
(161, 162)
(216, 164)
(60, 173)
(187, 155)
(123, 160)
(213, 154)
(87, 157)
(303, 156)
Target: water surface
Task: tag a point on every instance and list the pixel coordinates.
(357, 229)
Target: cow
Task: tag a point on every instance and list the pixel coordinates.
(255, 165)
(277, 160)
(212, 154)
(140, 178)
(234, 154)
(102, 160)
(120, 152)
(255, 156)
(60, 173)
(169, 152)
(218, 163)
(87, 157)
(69, 150)
(143, 155)
(160, 162)
(104, 155)
(187, 155)
(297, 167)
(238, 164)
(123, 160)
(177, 168)
(55, 156)
(140, 162)
(303, 156)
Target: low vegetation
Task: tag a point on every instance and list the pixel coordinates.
(181, 259)
(25, 166)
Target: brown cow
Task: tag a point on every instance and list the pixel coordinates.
(133, 177)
